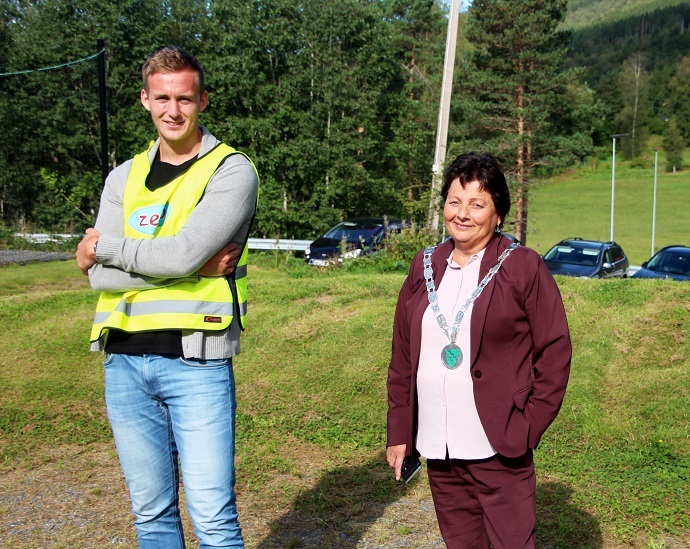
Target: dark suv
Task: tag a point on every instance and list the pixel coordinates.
(352, 238)
(670, 262)
(587, 259)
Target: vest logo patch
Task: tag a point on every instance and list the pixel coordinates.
(213, 319)
(148, 220)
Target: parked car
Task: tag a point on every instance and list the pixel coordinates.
(587, 259)
(355, 237)
(670, 262)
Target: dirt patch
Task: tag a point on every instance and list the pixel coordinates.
(78, 498)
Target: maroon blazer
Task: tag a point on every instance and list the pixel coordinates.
(520, 349)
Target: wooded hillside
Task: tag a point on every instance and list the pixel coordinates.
(337, 101)
(634, 56)
(587, 13)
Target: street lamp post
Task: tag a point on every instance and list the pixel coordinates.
(656, 165)
(613, 179)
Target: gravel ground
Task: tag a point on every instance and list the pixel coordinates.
(22, 257)
(78, 498)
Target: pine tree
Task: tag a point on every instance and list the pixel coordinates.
(514, 85)
(418, 28)
(674, 147)
(679, 98)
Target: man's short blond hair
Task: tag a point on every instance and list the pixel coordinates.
(172, 59)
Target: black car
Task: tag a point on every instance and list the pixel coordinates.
(587, 259)
(670, 262)
(350, 239)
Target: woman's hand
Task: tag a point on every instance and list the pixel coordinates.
(395, 455)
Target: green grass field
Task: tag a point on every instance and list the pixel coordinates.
(578, 203)
(613, 469)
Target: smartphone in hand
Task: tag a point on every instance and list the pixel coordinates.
(410, 467)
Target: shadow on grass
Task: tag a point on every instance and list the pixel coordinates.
(560, 523)
(347, 502)
(336, 512)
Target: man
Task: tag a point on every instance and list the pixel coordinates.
(163, 252)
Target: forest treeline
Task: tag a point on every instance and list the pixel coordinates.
(639, 66)
(336, 101)
(588, 13)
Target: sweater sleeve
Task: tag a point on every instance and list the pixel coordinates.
(109, 223)
(223, 214)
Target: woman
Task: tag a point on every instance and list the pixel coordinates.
(474, 392)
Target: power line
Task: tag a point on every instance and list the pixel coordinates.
(54, 66)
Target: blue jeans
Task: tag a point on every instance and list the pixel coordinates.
(163, 407)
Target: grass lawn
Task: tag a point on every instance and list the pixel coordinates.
(613, 469)
(578, 203)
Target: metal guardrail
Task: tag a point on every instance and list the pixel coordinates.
(278, 244)
(41, 238)
(254, 243)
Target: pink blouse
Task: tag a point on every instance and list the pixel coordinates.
(448, 415)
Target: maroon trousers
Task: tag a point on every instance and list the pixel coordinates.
(482, 501)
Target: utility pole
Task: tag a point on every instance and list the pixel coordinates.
(443, 115)
(102, 108)
(656, 166)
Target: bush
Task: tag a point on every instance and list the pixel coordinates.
(640, 162)
(395, 256)
(397, 253)
(405, 244)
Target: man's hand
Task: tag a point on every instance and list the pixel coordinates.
(395, 456)
(223, 263)
(86, 256)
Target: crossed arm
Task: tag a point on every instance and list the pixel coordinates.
(222, 263)
(207, 245)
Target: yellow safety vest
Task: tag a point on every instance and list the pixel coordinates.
(208, 304)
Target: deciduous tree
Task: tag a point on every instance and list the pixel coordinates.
(633, 118)
(679, 98)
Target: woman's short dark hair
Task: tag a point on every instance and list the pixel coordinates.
(482, 167)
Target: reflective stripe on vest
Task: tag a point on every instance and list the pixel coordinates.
(203, 305)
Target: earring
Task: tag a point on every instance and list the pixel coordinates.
(498, 229)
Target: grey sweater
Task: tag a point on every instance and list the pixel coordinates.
(223, 214)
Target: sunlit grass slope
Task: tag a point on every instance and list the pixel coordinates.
(578, 203)
(311, 382)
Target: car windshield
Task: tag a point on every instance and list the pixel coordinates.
(573, 255)
(677, 262)
(353, 231)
